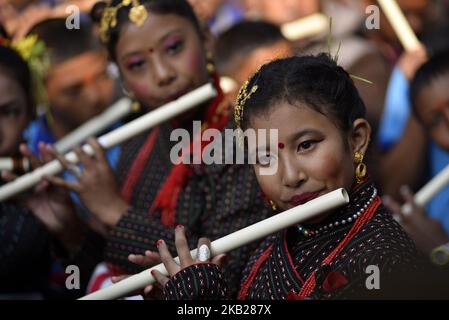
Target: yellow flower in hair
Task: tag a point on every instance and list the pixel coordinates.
(34, 52)
(25, 46)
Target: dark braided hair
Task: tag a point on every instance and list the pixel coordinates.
(178, 7)
(314, 80)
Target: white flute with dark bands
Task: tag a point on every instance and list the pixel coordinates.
(15, 165)
(6, 164)
(115, 137)
(400, 24)
(94, 126)
(232, 241)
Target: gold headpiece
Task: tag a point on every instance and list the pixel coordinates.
(34, 52)
(242, 97)
(137, 15)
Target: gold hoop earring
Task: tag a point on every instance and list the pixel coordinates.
(273, 205)
(135, 105)
(360, 170)
(210, 63)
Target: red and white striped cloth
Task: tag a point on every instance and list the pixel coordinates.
(101, 278)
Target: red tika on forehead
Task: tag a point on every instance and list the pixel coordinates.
(281, 145)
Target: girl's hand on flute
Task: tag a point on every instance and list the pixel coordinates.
(52, 206)
(425, 231)
(95, 184)
(146, 261)
(185, 258)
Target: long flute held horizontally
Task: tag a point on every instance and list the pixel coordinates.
(15, 165)
(232, 241)
(114, 113)
(113, 138)
(95, 126)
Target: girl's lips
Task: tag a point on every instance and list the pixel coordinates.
(177, 95)
(303, 198)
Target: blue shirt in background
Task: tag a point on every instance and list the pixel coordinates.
(392, 126)
(226, 16)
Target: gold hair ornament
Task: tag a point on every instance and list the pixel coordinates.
(137, 15)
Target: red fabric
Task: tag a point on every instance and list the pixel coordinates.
(99, 281)
(255, 269)
(168, 195)
(4, 41)
(293, 296)
(59, 278)
(366, 216)
(138, 166)
(333, 281)
(310, 284)
(115, 270)
(290, 260)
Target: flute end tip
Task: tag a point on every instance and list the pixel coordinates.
(344, 194)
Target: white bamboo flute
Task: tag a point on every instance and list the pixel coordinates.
(232, 241)
(114, 113)
(400, 24)
(305, 27)
(9, 164)
(113, 138)
(94, 126)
